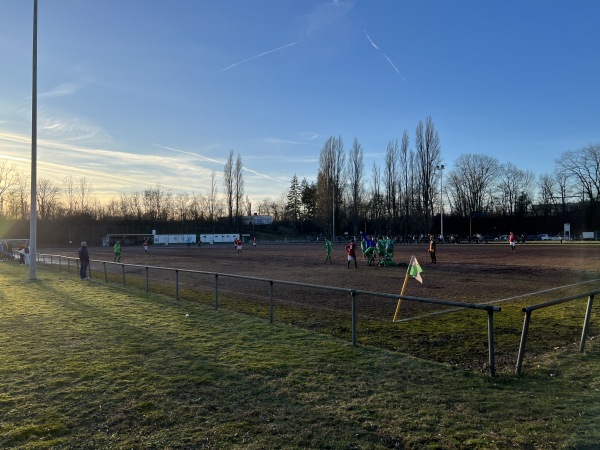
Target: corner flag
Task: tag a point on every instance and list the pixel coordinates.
(414, 269)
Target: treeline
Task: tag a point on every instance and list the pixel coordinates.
(404, 194)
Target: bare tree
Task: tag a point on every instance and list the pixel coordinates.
(549, 195)
(228, 184)
(514, 188)
(182, 206)
(376, 203)
(157, 203)
(405, 194)
(471, 181)
(112, 209)
(20, 196)
(47, 198)
(391, 181)
(128, 206)
(583, 166)
(212, 196)
(84, 192)
(70, 194)
(330, 179)
(238, 179)
(248, 206)
(8, 178)
(428, 153)
(137, 204)
(356, 173)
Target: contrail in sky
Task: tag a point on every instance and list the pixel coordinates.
(258, 56)
(188, 153)
(258, 174)
(385, 56)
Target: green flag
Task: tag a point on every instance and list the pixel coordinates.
(414, 269)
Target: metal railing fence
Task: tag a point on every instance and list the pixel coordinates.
(529, 309)
(72, 261)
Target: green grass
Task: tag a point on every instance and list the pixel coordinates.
(86, 364)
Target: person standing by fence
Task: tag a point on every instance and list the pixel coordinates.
(84, 260)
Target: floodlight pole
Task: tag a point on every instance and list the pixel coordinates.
(333, 201)
(33, 217)
(441, 169)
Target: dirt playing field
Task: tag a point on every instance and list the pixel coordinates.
(474, 273)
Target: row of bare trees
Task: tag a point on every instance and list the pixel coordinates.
(401, 196)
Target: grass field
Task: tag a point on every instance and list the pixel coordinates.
(464, 273)
(95, 365)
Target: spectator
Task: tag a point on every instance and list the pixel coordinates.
(84, 259)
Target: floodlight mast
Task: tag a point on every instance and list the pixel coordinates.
(33, 216)
(441, 169)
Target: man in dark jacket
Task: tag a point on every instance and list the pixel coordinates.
(84, 259)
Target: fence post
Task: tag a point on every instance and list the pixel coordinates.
(523, 341)
(176, 284)
(353, 294)
(123, 271)
(216, 291)
(270, 301)
(586, 322)
(492, 358)
(147, 283)
(105, 274)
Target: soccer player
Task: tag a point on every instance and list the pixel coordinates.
(328, 248)
(351, 250)
(117, 249)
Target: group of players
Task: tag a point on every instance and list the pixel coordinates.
(382, 248)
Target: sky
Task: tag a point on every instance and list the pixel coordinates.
(138, 93)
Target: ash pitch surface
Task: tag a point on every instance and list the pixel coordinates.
(473, 273)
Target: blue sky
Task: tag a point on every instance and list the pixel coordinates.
(132, 93)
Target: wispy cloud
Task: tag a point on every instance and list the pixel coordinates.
(57, 125)
(325, 14)
(309, 135)
(260, 55)
(384, 55)
(61, 90)
(185, 152)
(271, 140)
